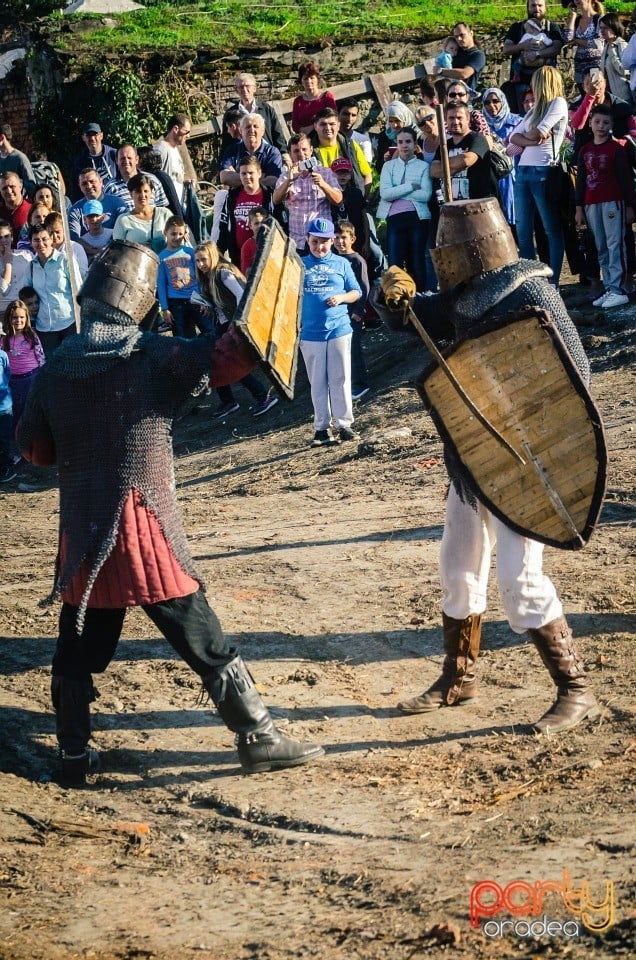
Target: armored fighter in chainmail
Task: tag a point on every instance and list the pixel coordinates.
(103, 411)
(481, 278)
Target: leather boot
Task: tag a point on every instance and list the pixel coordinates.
(261, 747)
(575, 700)
(458, 681)
(71, 702)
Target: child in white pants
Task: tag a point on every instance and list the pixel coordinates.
(325, 335)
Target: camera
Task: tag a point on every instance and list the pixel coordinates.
(309, 164)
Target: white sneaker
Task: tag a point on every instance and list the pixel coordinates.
(601, 300)
(614, 300)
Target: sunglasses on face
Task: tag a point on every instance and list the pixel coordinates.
(424, 120)
(452, 96)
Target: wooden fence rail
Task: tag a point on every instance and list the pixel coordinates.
(378, 84)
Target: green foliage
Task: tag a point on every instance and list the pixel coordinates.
(123, 114)
(136, 107)
(233, 25)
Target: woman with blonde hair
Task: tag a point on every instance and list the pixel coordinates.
(222, 285)
(540, 133)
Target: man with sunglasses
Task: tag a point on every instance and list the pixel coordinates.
(471, 172)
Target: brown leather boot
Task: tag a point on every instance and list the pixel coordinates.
(575, 700)
(458, 681)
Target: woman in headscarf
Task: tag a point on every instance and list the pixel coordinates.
(501, 122)
(397, 116)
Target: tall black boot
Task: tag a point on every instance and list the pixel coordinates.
(71, 702)
(458, 680)
(261, 747)
(575, 699)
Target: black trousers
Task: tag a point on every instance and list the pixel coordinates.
(188, 624)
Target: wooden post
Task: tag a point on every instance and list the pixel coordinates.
(443, 153)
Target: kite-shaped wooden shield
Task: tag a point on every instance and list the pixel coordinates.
(270, 310)
(536, 455)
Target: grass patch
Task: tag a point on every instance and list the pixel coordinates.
(224, 26)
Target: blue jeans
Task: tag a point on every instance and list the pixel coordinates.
(185, 317)
(406, 237)
(531, 194)
(6, 439)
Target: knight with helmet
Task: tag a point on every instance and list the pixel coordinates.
(482, 280)
(102, 410)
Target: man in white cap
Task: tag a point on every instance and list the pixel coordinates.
(325, 334)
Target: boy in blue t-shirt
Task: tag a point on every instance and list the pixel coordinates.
(325, 334)
(177, 280)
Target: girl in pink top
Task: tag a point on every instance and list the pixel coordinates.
(26, 356)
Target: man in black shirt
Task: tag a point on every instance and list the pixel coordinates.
(469, 60)
(471, 172)
(526, 56)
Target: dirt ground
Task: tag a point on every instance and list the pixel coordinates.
(323, 567)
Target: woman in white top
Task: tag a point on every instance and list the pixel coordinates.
(405, 189)
(540, 133)
(145, 223)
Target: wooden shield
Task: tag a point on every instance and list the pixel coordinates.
(270, 310)
(519, 374)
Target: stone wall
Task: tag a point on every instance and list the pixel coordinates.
(276, 73)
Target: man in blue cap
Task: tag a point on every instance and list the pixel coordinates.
(96, 154)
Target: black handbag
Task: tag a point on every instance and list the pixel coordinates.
(502, 165)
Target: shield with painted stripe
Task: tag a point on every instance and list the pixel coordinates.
(269, 313)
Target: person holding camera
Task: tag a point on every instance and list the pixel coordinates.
(307, 189)
(596, 92)
(582, 33)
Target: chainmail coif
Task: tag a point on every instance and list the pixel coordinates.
(107, 399)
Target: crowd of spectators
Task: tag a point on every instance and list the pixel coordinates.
(513, 141)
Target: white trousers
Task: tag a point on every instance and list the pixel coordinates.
(528, 596)
(328, 366)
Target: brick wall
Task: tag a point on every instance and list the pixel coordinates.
(17, 108)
